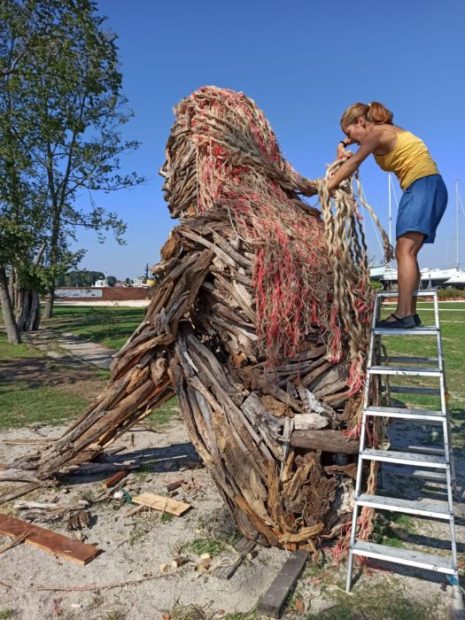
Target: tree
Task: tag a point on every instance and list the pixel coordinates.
(79, 278)
(62, 108)
(111, 280)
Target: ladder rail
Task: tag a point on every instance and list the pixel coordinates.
(445, 463)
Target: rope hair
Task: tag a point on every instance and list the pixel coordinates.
(348, 253)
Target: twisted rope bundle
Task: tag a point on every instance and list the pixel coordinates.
(347, 248)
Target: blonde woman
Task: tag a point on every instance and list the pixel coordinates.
(422, 204)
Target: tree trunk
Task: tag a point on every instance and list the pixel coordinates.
(12, 331)
(49, 302)
(27, 310)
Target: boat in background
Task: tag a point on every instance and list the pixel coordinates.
(430, 278)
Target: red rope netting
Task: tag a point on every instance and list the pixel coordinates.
(300, 278)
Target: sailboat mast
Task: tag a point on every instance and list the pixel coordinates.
(457, 223)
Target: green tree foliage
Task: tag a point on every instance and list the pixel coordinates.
(83, 278)
(61, 112)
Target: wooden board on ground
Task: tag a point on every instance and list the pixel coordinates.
(274, 598)
(113, 480)
(50, 541)
(243, 548)
(164, 504)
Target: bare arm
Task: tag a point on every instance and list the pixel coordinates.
(350, 166)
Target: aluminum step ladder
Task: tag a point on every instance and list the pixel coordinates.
(437, 462)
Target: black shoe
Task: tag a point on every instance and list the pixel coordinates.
(417, 320)
(405, 322)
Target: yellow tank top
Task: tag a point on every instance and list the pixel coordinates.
(409, 159)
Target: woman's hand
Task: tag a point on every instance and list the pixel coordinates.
(341, 152)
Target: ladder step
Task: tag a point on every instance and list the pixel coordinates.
(424, 508)
(404, 371)
(413, 331)
(411, 389)
(422, 415)
(429, 293)
(404, 458)
(405, 359)
(406, 557)
(423, 474)
(426, 449)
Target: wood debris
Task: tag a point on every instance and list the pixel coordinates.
(79, 520)
(54, 543)
(161, 503)
(114, 479)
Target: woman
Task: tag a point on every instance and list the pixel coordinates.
(422, 204)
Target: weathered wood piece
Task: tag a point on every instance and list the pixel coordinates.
(112, 480)
(324, 440)
(164, 504)
(54, 543)
(272, 603)
(172, 486)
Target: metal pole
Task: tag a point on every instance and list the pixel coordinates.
(457, 262)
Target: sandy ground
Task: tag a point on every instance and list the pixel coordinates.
(37, 585)
(134, 547)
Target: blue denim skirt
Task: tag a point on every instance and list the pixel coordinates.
(422, 206)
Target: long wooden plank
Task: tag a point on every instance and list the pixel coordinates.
(273, 600)
(165, 504)
(52, 542)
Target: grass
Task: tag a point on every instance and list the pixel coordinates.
(110, 326)
(32, 396)
(378, 602)
(17, 351)
(20, 406)
(212, 546)
(34, 388)
(387, 527)
(164, 415)
(7, 613)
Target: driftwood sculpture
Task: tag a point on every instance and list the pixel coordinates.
(258, 325)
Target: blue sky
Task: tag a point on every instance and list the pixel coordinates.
(302, 62)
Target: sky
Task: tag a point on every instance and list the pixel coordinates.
(303, 62)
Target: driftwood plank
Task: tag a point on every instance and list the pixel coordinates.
(165, 504)
(273, 600)
(52, 542)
